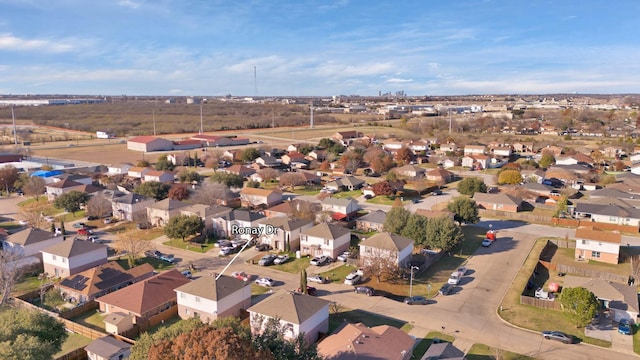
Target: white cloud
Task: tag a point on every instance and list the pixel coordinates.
(398, 80)
(12, 43)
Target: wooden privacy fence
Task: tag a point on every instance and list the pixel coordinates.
(595, 225)
(545, 304)
(573, 270)
(515, 216)
(77, 354)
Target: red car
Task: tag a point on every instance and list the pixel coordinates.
(85, 231)
(241, 275)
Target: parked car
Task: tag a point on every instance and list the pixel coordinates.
(416, 300)
(168, 258)
(558, 336)
(265, 281)
(263, 247)
(23, 222)
(367, 290)
(310, 290)
(238, 242)
(446, 289)
(321, 260)
(229, 250)
(352, 279)
(436, 192)
(625, 327)
(344, 256)
(79, 225)
(544, 295)
(49, 219)
(187, 274)
(92, 217)
(94, 239)
(267, 260)
(455, 277)
(241, 275)
(487, 242)
(143, 226)
(317, 279)
(85, 231)
(224, 243)
(281, 259)
(153, 254)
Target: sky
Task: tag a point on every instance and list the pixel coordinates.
(318, 48)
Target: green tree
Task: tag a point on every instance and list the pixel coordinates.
(326, 143)
(305, 149)
(579, 305)
(510, 177)
(546, 160)
(249, 154)
(153, 189)
(53, 298)
(163, 163)
(143, 163)
(465, 210)
(272, 340)
(189, 176)
(62, 229)
(396, 220)
(442, 233)
(253, 184)
(303, 281)
(472, 185)
(415, 229)
(71, 201)
(182, 226)
(53, 228)
(231, 180)
(29, 335)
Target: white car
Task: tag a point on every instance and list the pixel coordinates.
(456, 276)
(265, 281)
(49, 219)
(487, 242)
(281, 259)
(317, 279)
(352, 279)
(344, 256)
(23, 222)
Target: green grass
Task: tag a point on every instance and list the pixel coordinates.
(636, 341)
(28, 283)
(346, 194)
(92, 319)
(338, 274)
(42, 200)
(178, 243)
(165, 324)
(294, 266)
(73, 342)
(423, 345)
(258, 290)
(156, 263)
(10, 226)
(309, 190)
(484, 352)
(361, 316)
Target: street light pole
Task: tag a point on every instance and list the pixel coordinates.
(411, 281)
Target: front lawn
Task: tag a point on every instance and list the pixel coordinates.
(483, 352)
(338, 274)
(258, 290)
(156, 263)
(185, 245)
(294, 266)
(345, 194)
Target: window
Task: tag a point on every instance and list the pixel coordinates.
(197, 299)
(595, 254)
(54, 257)
(584, 242)
(326, 242)
(183, 295)
(64, 260)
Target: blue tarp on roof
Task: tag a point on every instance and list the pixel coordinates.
(46, 173)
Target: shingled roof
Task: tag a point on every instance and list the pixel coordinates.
(292, 307)
(207, 287)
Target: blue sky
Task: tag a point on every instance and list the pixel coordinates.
(305, 47)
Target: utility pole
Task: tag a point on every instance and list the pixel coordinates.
(201, 126)
(15, 129)
(311, 108)
(449, 120)
(154, 121)
(411, 281)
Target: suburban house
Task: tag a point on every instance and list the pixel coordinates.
(100, 280)
(210, 297)
(310, 178)
(357, 341)
(498, 202)
(393, 247)
(297, 313)
(161, 212)
(610, 213)
(576, 159)
(346, 137)
(138, 172)
(137, 303)
(448, 148)
(119, 169)
(373, 221)
(411, 171)
(345, 183)
(72, 256)
(440, 176)
(443, 350)
(292, 207)
(340, 209)
(108, 348)
(238, 169)
(229, 224)
(255, 197)
(597, 245)
(163, 176)
(319, 155)
(205, 212)
(612, 193)
(523, 147)
(149, 143)
(58, 188)
(620, 299)
(30, 241)
(475, 150)
(283, 233)
(325, 239)
(82, 179)
(293, 158)
(268, 161)
(476, 161)
(131, 206)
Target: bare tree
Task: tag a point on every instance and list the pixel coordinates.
(33, 215)
(305, 209)
(292, 179)
(212, 193)
(380, 263)
(34, 186)
(132, 244)
(268, 174)
(635, 266)
(98, 205)
(10, 273)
